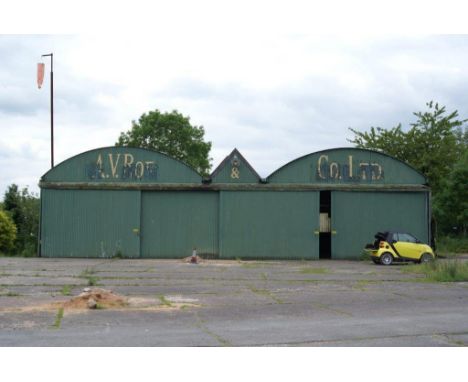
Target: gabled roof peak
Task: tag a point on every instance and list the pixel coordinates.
(235, 168)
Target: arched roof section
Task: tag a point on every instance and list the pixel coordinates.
(122, 165)
(347, 166)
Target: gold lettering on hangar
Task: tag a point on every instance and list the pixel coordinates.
(235, 172)
(121, 166)
(327, 170)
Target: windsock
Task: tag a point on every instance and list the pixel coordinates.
(40, 74)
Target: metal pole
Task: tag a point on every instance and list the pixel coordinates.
(51, 107)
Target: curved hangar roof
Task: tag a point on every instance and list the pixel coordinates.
(122, 165)
(111, 165)
(347, 165)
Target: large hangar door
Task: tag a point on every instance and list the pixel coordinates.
(269, 224)
(90, 223)
(175, 222)
(357, 216)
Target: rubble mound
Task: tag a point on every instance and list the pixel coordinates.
(193, 260)
(95, 298)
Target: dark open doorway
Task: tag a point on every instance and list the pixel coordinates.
(325, 225)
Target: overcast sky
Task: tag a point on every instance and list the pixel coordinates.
(275, 94)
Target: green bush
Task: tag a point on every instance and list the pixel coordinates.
(29, 250)
(23, 208)
(7, 233)
(365, 256)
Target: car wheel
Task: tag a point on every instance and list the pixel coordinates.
(425, 258)
(386, 258)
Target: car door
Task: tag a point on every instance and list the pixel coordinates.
(407, 245)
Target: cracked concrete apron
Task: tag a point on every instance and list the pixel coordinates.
(229, 303)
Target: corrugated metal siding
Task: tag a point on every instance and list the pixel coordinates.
(357, 216)
(90, 223)
(249, 219)
(262, 224)
(173, 223)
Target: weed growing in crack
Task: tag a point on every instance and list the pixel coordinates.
(58, 319)
(11, 294)
(314, 271)
(66, 290)
(164, 301)
(89, 275)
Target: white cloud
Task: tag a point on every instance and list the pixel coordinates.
(273, 96)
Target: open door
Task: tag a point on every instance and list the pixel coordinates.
(325, 225)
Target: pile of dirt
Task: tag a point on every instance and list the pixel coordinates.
(193, 260)
(95, 298)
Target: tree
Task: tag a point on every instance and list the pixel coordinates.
(432, 145)
(451, 204)
(7, 233)
(436, 145)
(23, 208)
(171, 134)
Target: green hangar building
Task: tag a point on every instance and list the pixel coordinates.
(137, 203)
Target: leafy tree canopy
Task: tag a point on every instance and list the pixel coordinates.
(171, 134)
(451, 204)
(23, 208)
(436, 145)
(432, 145)
(7, 233)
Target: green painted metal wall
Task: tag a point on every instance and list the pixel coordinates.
(122, 165)
(347, 166)
(268, 224)
(90, 223)
(170, 211)
(357, 216)
(173, 223)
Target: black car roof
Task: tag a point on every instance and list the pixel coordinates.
(385, 234)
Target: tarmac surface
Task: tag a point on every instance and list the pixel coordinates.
(229, 303)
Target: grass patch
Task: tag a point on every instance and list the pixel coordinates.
(66, 290)
(441, 271)
(313, 271)
(448, 244)
(164, 300)
(253, 265)
(361, 285)
(58, 319)
(92, 280)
